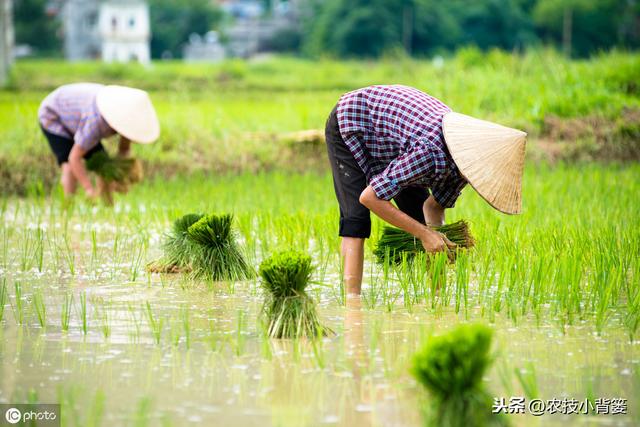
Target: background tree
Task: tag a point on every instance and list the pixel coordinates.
(584, 26)
(35, 27)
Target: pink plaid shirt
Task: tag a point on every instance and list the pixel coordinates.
(395, 135)
(70, 111)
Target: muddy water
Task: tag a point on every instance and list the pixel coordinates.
(213, 366)
(226, 373)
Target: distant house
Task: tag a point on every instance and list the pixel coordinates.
(203, 49)
(255, 26)
(111, 30)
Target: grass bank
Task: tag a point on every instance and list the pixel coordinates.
(226, 117)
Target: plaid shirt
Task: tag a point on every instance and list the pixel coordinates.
(395, 135)
(70, 111)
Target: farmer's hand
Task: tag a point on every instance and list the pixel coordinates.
(91, 193)
(432, 241)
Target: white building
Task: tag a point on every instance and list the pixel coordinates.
(255, 26)
(111, 30)
(203, 49)
(124, 31)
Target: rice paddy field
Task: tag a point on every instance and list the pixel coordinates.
(83, 322)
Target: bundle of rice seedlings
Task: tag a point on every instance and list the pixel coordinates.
(288, 310)
(120, 170)
(177, 247)
(396, 244)
(451, 367)
(216, 254)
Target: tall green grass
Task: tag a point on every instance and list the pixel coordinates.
(221, 118)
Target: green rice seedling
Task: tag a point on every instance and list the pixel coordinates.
(394, 242)
(83, 313)
(103, 316)
(217, 255)
(174, 332)
(65, 316)
(240, 339)
(69, 256)
(136, 261)
(451, 367)
(18, 312)
(3, 297)
(288, 310)
(121, 170)
(528, 381)
(94, 247)
(177, 247)
(135, 334)
(40, 308)
(154, 324)
(186, 325)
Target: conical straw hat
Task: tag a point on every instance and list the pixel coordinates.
(490, 157)
(129, 112)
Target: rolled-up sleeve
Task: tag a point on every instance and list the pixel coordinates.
(447, 191)
(421, 163)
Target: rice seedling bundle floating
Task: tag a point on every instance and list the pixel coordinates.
(121, 170)
(288, 310)
(215, 254)
(451, 367)
(177, 247)
(396, 244)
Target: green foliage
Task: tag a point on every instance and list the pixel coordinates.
(288, 310)
(589, 25)
(454, 363)
(368, 29)
(177, 247)
(398, 245)
(114, 169)
(451, 367)
(216, 254)
(33, 26)
(206, 128)
(286, 274)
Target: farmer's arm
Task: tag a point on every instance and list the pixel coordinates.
(124, 147)
(431, 240)
(76, 162)
(433, 212)
(421, 161)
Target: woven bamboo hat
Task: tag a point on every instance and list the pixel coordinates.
(129, 112)
(490, 157)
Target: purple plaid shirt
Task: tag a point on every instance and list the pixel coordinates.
(70, 111)
(395, 135)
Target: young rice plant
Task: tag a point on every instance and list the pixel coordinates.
(288, 310)
(215, 254)
(396, 244)
(451, 367)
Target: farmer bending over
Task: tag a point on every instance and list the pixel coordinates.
(76, 117)
(396, 142)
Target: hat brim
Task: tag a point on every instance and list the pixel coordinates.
(129, 112)
(490, 157)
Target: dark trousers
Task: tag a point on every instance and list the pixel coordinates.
(349, 181)
(61, 147)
